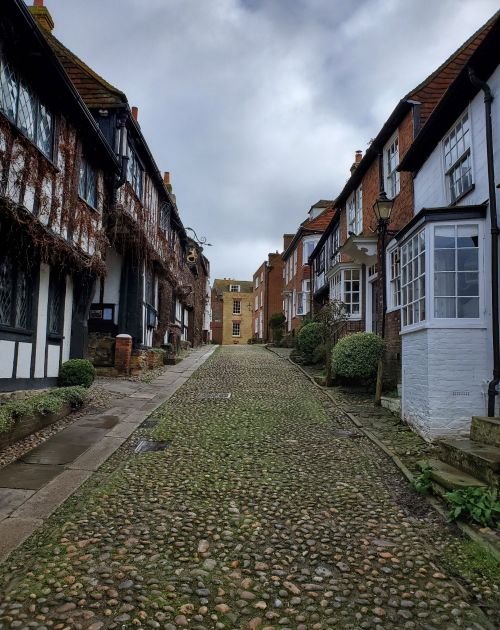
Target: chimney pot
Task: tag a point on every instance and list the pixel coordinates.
(166, 177)
(38, 3)
(135, 113)
(358, 156)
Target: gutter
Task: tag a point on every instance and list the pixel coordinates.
(488, 98)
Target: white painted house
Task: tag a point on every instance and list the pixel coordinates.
(445, 252)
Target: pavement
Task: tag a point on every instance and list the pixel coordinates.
(267, 510)
(33, 487)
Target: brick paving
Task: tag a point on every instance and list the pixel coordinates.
(264, 512)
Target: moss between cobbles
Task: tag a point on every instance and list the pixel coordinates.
(283, 505)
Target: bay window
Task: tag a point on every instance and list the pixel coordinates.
(413, 280)
(456, 271)
(345, 286)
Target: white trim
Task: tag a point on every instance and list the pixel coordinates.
(391, 247)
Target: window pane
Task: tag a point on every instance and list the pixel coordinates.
(444, 284)
(6, 290)
(44, 131)
(468, 307)
(445, 307)
(27, 111)
(467, 259)
(8, 90)
(467, 236)
(444, 260)
(22, 301)
(444, 237)
(468, 284)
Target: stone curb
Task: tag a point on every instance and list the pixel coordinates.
(466, 529)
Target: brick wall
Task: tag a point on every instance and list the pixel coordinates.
(274, 287)
(244, 318)
(217, 313)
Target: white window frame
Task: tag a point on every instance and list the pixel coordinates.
(440, 322)
(236, 307)
(305, 244)
(393, 283)
(454, 163)
(338, 291)
(354, 210)
(256, 282)
(294, 272)
(414, 270)
(234, 288)
(238, 325)
(391, 163)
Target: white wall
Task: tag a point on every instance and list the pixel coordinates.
(7, 350)
(444, 379)
(430, 186)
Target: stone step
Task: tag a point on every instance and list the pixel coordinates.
(485, 430)
(448, 477)
(478, 459)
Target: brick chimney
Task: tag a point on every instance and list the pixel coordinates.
(166, 181)
(135, 113)
(358, 156)
(42, 15)
(287, 239)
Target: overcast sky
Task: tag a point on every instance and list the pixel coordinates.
(257, 106)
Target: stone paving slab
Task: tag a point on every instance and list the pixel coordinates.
(12, 498)
(14, 531)
(28, 476)
(47, 499)
(54, 452)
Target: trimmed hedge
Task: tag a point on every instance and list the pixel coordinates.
(356, 356)
(44, 404)
(77, 372)
(309, 338)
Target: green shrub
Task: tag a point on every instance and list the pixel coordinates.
(44, 403)
(480, 505)
(319, 354)
(309, 338)
(423, 481)
(77, 372)
(356, 356)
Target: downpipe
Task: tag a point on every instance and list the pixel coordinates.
(488, 98)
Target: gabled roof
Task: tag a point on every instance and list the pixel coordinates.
(426, 95)
(484, 60)
(222, 285)
(311, 226)
(95, 91)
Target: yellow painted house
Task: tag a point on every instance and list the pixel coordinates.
(232, 304)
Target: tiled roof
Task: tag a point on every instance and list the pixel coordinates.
(430, 91)
(94, 90)
(320, 222)
(246, 286)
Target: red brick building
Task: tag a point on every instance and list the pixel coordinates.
(267, 295)
(296, 270)
(350, 258)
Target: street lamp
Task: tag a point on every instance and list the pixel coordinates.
(382, 209)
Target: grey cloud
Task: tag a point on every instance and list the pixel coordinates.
(257, 106)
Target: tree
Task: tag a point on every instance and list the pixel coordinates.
(276, 324)
(332, 316)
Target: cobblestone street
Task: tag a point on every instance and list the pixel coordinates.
(267, 510)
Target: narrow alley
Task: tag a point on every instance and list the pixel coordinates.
(265, 510)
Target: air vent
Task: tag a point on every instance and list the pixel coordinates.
(149, 446)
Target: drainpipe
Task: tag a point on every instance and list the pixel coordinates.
(488, 98)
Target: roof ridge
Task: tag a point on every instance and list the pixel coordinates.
(92, 73)
(453, 56)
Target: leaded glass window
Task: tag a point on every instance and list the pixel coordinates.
(15, 294)
(135, 172)
(87, 188)
(19, 103)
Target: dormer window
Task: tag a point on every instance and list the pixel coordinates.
(19, 103)
(457, 158)
(87, 188)
(234, 288)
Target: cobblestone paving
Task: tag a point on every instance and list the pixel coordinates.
(258, 516)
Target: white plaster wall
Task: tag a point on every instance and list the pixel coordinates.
(41, 324)
(445, 376)
(430, 185)
(23, 369)
(53, 356)
(7, 349)
(68, 314)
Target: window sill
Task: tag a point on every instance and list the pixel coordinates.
(26, 332)
(447, 324)
(462, 196)
(88, 205)
(393, 309)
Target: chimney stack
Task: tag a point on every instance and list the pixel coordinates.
(42, 15)
(166, 181)
(135, 113)
(358, 156)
